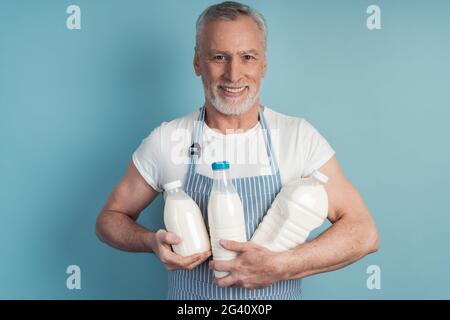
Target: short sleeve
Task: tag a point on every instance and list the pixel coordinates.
(147, 159)
(316, 150)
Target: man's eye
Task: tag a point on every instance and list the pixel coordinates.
(219, 58)
(249, 57)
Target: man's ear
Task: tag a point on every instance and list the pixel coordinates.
(264, 68)
(197, 67)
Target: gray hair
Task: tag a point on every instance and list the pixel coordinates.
(229, 11)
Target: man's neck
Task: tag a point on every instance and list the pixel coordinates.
(230, 123)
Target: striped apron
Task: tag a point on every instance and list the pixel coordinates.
(257, 194)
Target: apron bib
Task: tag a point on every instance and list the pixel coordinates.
(257, 194)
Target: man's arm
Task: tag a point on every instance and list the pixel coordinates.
(116, 224)
(352, 236)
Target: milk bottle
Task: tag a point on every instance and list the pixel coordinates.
(225, 214)
(183, 217)
(300, 207)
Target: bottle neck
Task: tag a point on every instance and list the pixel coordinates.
(220, 175)
(221, 180)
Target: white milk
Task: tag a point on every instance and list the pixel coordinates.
(225, 215)
(183, 217)
(300, 207)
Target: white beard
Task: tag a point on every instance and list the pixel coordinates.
(230, 108)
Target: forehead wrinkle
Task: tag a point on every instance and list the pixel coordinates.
(241, 52)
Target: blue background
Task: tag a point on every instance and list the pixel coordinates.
(75, 104)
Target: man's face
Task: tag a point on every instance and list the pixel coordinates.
(231, 61)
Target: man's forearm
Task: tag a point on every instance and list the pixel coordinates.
(122, 232)
(342, 244)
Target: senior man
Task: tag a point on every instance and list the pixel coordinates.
(232, 125)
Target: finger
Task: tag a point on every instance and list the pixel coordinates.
(198, 262)
(172, 238)
(227, 281)
(206, 255)
(195, 257)
(235, 245)
(168, 257)
(167, 237)
(183, 262)
(202, 256)
(193, 264)
(225, 265)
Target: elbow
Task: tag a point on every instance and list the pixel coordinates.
(374, 246)
(373, 240)
(99, 228)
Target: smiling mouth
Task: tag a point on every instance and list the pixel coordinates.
(233, 90)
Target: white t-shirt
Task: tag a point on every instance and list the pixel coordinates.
(299, 148)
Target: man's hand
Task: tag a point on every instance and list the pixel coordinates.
(172, 261)
(254, 267)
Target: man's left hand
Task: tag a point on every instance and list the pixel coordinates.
(254, 267)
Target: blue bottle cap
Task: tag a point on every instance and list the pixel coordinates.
(220, 165)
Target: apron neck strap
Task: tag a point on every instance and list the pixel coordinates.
(198, 134)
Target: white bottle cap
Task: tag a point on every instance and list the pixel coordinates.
(172, 185)
(319, 176)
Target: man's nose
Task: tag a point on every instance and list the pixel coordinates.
(234, 70)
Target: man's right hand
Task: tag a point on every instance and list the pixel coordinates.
(161, 246)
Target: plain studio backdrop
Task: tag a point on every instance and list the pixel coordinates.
(75, 104)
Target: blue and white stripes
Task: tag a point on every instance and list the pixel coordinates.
(257, 194)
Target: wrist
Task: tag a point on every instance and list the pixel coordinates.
(285, 265)
(279, 264)
(150, 241)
